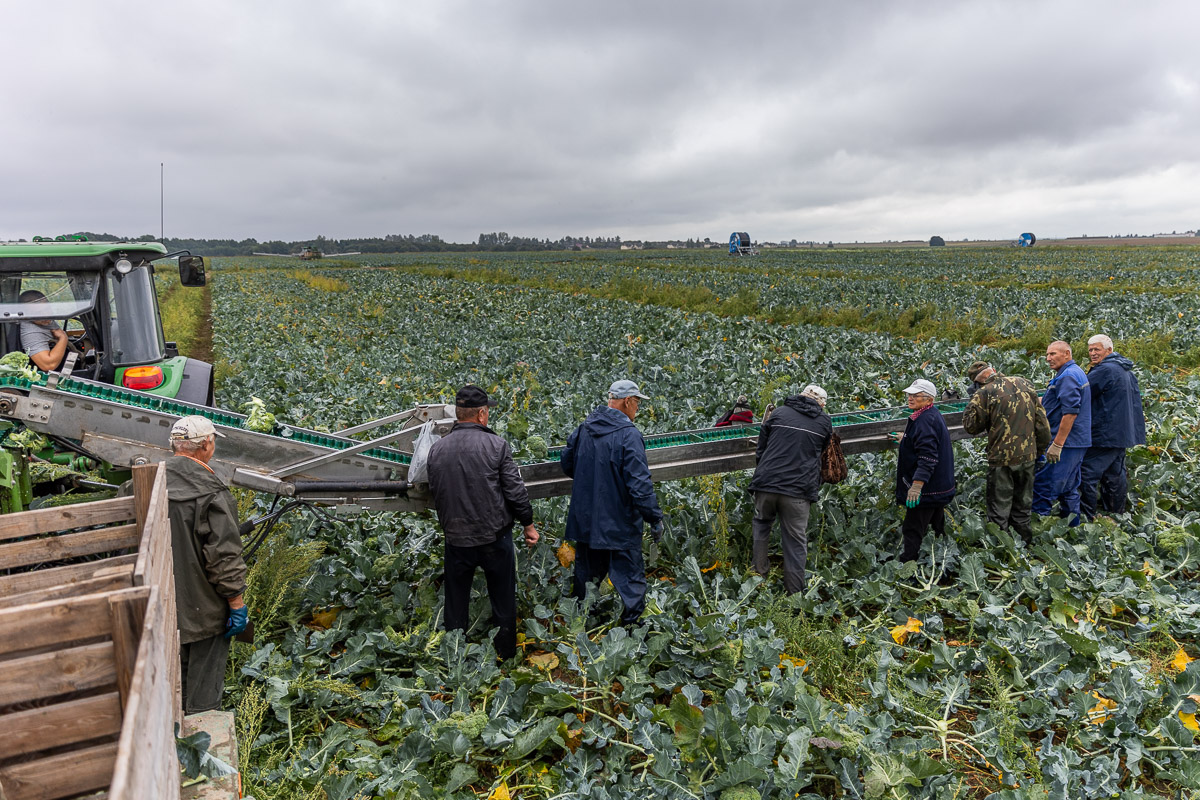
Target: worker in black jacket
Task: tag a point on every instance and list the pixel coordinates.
(477, 491)
(787, 480)
(924, 469)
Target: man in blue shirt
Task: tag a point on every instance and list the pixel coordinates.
(1118, 423)
(1068, 405)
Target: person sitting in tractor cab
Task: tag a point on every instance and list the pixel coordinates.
(42, 339)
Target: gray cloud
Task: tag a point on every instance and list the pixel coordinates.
(814, 121)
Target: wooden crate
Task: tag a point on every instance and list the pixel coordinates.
(89, 649)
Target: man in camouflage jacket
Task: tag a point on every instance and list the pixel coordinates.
(1007, 408)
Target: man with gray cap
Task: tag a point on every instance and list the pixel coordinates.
(1006, 407)
(210, 574)
(787, 480)
(924, 469)
(611, 497)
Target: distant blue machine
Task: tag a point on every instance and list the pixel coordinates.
(1026, 240)
(739, 245)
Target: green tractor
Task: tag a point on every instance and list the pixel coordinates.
(102, 296)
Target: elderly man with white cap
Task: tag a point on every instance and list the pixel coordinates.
(612, 496)
(924, 470)
(787, 480)
(210, 574)
(1118, 423)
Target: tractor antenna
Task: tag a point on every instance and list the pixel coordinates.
(161, 203)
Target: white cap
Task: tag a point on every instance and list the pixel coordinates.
(193, 429)
(816, 393)
(921, 386)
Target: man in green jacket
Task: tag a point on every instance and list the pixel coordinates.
(210, 574)
(1006, 407)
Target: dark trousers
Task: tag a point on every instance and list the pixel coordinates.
(1105, 465)
(499, 564)
(202, 673)
(1059, 483)
(1010, 497)
(916, 521)
(624, 568)
(793, 526)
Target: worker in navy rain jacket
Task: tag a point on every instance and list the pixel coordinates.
(1118, 423)
(787, 481)
(924, 469)
(611, 498)
(1068, 404)
(478, 492)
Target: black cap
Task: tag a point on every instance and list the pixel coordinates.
(471, 396)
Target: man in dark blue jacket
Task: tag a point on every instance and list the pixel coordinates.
(1068, 404)
(924, 469)
(611, 497)
(787, 480)
(1118, 423)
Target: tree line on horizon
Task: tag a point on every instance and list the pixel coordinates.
(392, 243)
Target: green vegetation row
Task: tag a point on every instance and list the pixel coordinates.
(925, 321)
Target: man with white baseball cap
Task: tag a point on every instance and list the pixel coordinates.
(210, 574)
(924, 469)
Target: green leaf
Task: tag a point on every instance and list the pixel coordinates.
(460, 776)
(1080, 643)
(532, 738)
(794, 754)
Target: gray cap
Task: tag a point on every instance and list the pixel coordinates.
(622, 389)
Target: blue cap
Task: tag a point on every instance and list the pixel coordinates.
(623, 389)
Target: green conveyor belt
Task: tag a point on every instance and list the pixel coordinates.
(744, 431)
(167, 405)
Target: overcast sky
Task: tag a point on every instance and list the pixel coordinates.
(809, 120)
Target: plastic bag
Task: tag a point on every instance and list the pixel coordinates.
(418, 470)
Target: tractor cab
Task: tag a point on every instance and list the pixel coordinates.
(102, 294)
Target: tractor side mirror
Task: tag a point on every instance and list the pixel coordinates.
(191, 270)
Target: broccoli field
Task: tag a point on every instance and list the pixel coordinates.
(986, 669)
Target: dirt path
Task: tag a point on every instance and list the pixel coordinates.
(202, 347)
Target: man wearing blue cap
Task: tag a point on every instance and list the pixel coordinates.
(611, 497)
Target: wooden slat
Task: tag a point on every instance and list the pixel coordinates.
(110, 582)
(143, 488)
(128, 615)
(48, 520)
(155, 567)
(58, 776)
(61, 724)
(146, 764)
(68, 545)
(50, 674)
(41, 578)
(58, 621)
(150, 495)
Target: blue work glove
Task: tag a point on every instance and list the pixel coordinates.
(914, 495)
(656, 531)
(236, 622)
